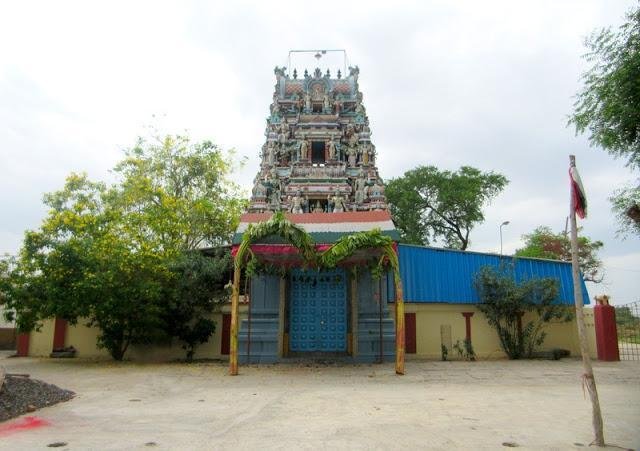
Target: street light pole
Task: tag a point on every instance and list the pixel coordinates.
(503, 224)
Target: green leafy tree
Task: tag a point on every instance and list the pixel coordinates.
(181, 193)
(428, 204)
(113, 255)
(197, 287)
(543, 243)
(608, 106)
(86, 262)
(504, 302)
(626, 206)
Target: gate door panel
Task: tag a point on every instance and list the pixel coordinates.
(318, 311)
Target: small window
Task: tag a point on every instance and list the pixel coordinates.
(317, 152)
(317, 107)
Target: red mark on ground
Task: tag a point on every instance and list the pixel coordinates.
(23, 424)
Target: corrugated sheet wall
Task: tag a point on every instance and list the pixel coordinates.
(443, 275)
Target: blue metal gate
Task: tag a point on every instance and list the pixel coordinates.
(318, 311)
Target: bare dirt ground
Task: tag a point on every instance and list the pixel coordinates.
(436, 405)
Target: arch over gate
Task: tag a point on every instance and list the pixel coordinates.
(341, 250)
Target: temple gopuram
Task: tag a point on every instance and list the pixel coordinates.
(318, 156)
(318, 167)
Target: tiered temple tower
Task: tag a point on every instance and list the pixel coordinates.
(318, 155)
(318, 165)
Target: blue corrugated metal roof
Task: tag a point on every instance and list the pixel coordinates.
(446, 275)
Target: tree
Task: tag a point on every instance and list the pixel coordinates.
(609, 103)
(86, 262)
(504, 301)
(626, 206)
(608, 106)
(428, 204)
(197, 287)
(113, 255)
(181, 193)
(543, 243)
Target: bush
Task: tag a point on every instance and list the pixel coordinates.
(504, 301)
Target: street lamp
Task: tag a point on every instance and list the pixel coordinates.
(503, 224)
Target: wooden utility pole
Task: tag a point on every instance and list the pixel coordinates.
(587, 377)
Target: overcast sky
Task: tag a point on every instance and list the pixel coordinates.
(486, 84)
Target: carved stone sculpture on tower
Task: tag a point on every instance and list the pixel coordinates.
(296, 204)
(275, 200)
(338, 202)
(352, 154)
(326, 103)
(271, 153)
(361, 187)
(307, 102)
(332, 150)
(365, 153)
(304, 150)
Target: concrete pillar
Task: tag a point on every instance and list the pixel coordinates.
(22, 345)
(467, 324)
(59, 334)
(606, 333)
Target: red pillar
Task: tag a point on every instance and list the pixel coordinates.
(59, 333)
(410, 333)
(22, 345)
(606, 333)
(467, 323)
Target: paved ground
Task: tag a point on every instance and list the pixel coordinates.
(464, 405)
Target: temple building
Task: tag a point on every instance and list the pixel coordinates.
(318, 168)
(318, 164)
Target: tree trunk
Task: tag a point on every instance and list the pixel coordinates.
(587, 377)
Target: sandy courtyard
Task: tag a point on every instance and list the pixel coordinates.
(441, 405)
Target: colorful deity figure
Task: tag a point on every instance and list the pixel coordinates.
(365, 149)
(360, 189)
(275, 200)
(352, 155)
(295, 105)
(307, 102)
(326, 103)
(304, 149)
(259, 190)
(338, 202)
(353, 139)
(331, 149)
(283, 132)
(272, 176)
(297, 203)
(271, 153)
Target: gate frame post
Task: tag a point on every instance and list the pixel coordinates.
(235, 310)
(399, 328)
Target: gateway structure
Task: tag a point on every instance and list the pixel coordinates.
(318, 165)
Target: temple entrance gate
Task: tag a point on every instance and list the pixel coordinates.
(318, 311)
